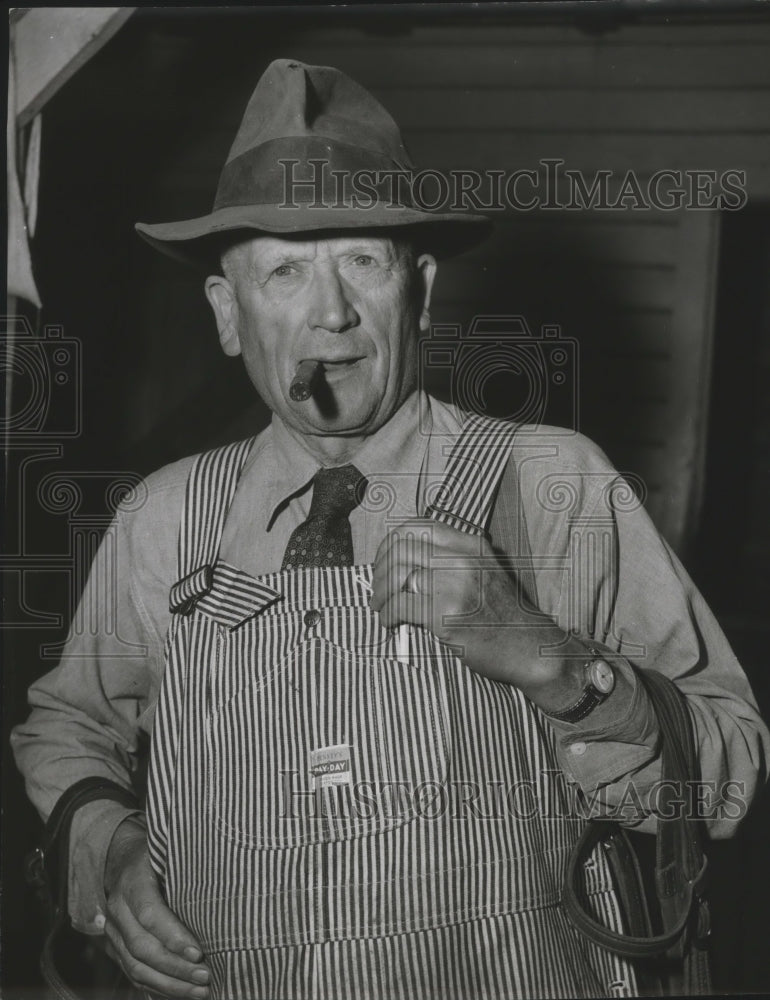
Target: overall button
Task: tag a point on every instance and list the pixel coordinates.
(312, 618)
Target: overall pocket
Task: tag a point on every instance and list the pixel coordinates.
(328, 744)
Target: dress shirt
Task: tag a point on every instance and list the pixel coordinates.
(639, 606)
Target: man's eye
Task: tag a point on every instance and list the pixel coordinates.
(364, 259)
(283, 271)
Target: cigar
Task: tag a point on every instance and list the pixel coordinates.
(301, 387)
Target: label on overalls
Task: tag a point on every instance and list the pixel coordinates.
(331, 766)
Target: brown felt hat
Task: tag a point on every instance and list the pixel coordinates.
(314, 152)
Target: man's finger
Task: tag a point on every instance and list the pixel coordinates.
(413, 526)
(410, 544)
(403, 576)
(139, 943)
(154, 977)
(147, 977)
(420, 532)
(159, 920)
(142, 897)
(391, 554)
(396, 562)
(402, 608)
(390, 577)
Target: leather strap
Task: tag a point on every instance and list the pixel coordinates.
(648, 945)
(680, 866)
(47, 867)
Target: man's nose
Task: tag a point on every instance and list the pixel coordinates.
(331, 308)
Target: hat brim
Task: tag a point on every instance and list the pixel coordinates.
(200, 241)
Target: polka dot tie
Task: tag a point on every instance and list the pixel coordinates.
(324, 539)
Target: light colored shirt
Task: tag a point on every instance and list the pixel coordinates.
(600, 567)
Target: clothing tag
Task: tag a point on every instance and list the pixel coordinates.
(331, 766)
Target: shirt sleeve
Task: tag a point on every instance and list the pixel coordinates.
(604, 572)
(91, 715)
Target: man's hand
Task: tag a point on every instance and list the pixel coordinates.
(427, 573)
(154, 949)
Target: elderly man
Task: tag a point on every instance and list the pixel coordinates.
(364, 695)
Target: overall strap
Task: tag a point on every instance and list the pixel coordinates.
(476, 464)
(210, 490)
(466, 498)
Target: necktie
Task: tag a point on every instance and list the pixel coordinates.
(324, 539)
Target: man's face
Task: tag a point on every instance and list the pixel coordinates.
(355, 303)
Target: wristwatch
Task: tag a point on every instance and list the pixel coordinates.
(600, 682)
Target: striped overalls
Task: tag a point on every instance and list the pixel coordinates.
(339, 812)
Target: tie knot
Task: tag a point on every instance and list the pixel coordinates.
(336, 491)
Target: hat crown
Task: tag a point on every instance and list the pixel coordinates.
(314, 152)
(294, 100)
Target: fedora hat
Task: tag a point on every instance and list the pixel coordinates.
(315, 152)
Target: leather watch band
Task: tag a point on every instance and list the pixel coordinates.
(587, 702)
(599, 684)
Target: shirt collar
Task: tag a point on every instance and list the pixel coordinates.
(398, 447)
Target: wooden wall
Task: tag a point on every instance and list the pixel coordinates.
(635, 289)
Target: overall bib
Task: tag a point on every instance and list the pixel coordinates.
(336, 815)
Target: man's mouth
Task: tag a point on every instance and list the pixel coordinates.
(338, 364)
(333, 370)
(312, 374)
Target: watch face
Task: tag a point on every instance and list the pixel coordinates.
(602, 676)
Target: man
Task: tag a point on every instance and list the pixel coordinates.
(359, 663)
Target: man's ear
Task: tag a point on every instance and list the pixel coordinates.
(221, 296)
(426, 270)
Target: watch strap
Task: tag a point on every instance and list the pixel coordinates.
(589, 699)
(587, 702)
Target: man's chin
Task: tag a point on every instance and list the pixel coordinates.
(352, 422)
(343, 425)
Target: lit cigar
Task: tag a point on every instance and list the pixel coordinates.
(301, 387)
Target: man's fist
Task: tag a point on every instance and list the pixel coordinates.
(452, 583)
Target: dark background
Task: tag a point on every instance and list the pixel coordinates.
(670, 311)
